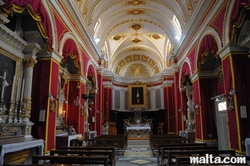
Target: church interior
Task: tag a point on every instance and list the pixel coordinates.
(82, 69)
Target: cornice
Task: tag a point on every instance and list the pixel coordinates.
(10, 38)
(231, 49)
(54, 55)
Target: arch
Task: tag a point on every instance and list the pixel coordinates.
(38, 12)
(210, 41)
(90, 70)
(233, 19)
(69, 46)
(185, 69)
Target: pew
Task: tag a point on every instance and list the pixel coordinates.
(102, 160)
(119, 144)
(109, 153)
(171, 154)
(89, 147)
(159, 149)
(154, 143)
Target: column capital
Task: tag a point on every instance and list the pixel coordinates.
(30, 62)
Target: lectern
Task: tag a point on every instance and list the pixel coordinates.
(112, 128)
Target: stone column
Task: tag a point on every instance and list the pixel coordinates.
(29, 62)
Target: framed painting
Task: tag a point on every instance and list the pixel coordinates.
(137, 96)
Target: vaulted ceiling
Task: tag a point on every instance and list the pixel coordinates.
(138, 36)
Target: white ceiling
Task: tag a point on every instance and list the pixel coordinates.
(153, 41)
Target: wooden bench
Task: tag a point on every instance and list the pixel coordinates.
(89, 147)
(154, 143)
(186, 147)
(171, 154)
(109, 153)
(119, 144)
(103, 160)
(159, 149)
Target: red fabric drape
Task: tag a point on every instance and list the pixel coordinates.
(70, 49)
(208, 44)
(207, 90)
(38, 12)
(197, 117)
(231, 114)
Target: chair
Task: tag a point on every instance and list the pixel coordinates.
(160, 128)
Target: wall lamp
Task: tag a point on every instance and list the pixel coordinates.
(232, 92)
(197, 106)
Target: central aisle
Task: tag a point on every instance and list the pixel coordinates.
(138, 152)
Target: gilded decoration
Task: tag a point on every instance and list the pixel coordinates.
(156, 36)
(136, 40)
(136, 12)
(30, 62)
(136, 2)
(121, 63)
(156, 69)
(117, 70)
(128, 59)
(117, 37)
(151, 62)
(136, 57)
(26, 107)
(136, 26)
(189, 7)
(144, 58)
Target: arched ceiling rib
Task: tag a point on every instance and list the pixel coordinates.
(156, 28)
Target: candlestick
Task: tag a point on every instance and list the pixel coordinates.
(18, 90)
(22, 90)
(3, 85)
(13, 87)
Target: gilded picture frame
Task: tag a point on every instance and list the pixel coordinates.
(137, 96)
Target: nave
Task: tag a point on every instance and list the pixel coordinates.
(138, 152)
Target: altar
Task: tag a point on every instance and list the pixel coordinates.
(138, 131)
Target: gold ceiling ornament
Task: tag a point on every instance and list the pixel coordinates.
(117, 70)
(128, 59)
(144, 58)
(117, 37)
(136, 70)
(155, 36)
(156, 69)
(151, 62)
(136, 40)
(136, 57)
(136, 26)
(136, 11)
(136, 2)
(121, 63)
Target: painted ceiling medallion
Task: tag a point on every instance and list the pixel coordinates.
(155, 36)
(136, 40)
(136, 2)
(136, 26)
(136, 11)
(117, 37)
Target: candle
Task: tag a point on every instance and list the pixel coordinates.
(13, 88)
(3, 85)
(18, 90)
(22, 90)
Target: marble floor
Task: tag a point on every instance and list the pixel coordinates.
(138, 153)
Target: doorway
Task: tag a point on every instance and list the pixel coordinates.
(222, 125)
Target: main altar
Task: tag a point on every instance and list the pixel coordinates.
(137, 128)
